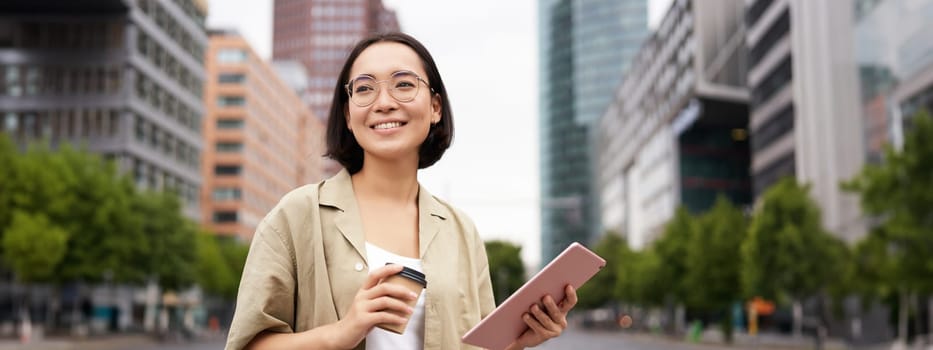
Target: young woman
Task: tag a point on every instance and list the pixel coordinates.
(312, 277)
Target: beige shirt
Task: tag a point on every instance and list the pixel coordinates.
(307, 260)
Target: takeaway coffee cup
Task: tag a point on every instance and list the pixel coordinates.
(413, 281)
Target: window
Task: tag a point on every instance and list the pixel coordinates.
(229, 123)
(782, 167)
(778, 30)
(775, 81)
(226, 193)
(231, 56)
(225, 216)
(11, 122)
(777, 126)
(230, 101)
(227, 170)
(231, 78)
(754, 12)
(229, 147)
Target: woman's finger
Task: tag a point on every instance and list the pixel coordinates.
(544, 320)
(380, 273)
(392, 290)
(555, 312)
(386, 317)
(569, 300)
(388, 304)
(536, 326)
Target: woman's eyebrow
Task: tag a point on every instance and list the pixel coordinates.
(364, 75)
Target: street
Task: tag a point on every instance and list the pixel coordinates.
(572, 339)
(576, 339)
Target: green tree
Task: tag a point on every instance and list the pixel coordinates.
(898, 194)
(712, 270)
(671, 251)
(170, 238)
(112, 231)
(787, 255)
(601, 289)
(33, 247)
(213, 272)
(8, 177)
(505, 268)
(106, 236)
(637, 280)
(234, 254)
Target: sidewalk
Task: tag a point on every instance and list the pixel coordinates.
(110, 342)
(713, 340)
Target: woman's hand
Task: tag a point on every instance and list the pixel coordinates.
(548, 323)
(374, 303)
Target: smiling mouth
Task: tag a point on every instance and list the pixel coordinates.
(389, 125)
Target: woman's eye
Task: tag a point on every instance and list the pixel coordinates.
(362, 89)
(404, 84)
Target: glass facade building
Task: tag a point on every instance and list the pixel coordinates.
(585, 46)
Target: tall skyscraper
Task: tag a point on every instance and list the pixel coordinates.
(585, 47)
(259, 138)
(675, 133)
(804, 102)
(320, 34)
(122, 77)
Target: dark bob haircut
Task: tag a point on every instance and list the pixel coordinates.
(342, 146)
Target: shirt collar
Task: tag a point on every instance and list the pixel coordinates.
(337, 192)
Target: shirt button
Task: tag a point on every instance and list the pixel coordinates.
(358, 266)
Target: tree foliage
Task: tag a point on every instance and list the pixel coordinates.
(713, 272)
(788, 255)
(234, 254)
(898, 193)
(33, 246)
(213, 271)
(170, 240)
(672, 249)
(67, 215)
(600, 289)
(505, 268)
(638, 281)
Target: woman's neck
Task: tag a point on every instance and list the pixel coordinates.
(387, 181)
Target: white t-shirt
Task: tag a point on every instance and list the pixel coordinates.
(413, 338)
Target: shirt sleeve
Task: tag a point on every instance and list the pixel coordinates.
(266, 297)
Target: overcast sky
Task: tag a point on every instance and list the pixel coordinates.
(487, 53)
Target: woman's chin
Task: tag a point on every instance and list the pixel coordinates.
(391, 154)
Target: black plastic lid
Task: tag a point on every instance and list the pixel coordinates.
(413, 275)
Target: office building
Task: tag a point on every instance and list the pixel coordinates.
(585, 47)
(804, 103)
(123, 78)
(675, 133)
(259, 138)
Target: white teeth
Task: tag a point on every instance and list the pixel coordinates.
(387, 125)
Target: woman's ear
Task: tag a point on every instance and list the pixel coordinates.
(436, 109)
(346, 118)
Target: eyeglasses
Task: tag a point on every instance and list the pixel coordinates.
(403, 87)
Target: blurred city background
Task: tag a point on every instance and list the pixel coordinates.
(757, 173)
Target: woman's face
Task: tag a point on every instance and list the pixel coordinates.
(395, 123)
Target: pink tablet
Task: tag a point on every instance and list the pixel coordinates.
(574, 266)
